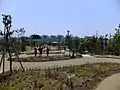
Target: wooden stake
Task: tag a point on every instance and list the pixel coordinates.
(4, 64)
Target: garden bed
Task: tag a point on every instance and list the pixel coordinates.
(31, 53)
(45, 58)
(80, 77)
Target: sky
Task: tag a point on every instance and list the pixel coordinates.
(54, 17)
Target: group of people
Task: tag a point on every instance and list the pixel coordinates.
(40, 50)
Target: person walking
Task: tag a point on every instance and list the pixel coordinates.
(35, 51)
(48, 51)
(40, 50)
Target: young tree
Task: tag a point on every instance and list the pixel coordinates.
(77, 43)
(68, 41)
(116, 41)
(8, 42)
(110, 45)
(82, 45)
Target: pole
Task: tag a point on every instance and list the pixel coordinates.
(1, 61)
(4, 64)
(10, 57)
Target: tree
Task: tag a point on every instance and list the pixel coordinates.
(101, 41)
(77, 43)
(68, 41)
(116, 41)
(110, 45)
(35, 39)
(72, 43)
(9, 44)
(91, 43)
(82, 45)
(25, 42)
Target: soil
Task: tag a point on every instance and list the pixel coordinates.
(45, 58)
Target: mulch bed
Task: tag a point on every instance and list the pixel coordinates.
(44, 58)
(31, 53)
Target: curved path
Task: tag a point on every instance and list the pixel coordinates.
(110, 83)
(85, 59)
(80, 61)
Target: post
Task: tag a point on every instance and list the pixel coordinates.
(10, 58)
(4, 64)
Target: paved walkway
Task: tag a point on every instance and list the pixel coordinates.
(85, 59)
(110, 83)
(48, 64)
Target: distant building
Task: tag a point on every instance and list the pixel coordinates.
(60, 38)
(88, 37)
(45, 39)
(36, 39)
(53, 38)
(35, 36)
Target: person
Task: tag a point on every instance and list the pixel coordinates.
(35, 51)
(40, 50)
(47, 51)
(64, 48)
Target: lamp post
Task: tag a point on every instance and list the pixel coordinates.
(68, 40)
(73, 47)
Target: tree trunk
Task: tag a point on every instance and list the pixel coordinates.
(69, 53)
(4, 64)
(10, 57)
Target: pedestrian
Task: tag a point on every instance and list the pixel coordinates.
(40, 50)
(35, 51)
(64, 47)
(48, 51)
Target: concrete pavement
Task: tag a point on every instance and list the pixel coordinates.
(48, 64)
(110, 83)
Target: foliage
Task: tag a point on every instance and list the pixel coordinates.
(82, 45)
(94, 45)
(68, 42)
(77, 43)
(116, 41)
(25, 42)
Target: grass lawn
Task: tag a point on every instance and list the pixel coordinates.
(80, 77)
